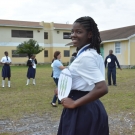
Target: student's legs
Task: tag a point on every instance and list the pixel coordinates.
(56, 82)
(54, 99)
(114, 76)
(28, 80)
(109, 76)
(34, 82)
(3, 82)
(8, 81)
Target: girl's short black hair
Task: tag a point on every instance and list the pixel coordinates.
(5, 52)
(56, 53)
(74, 54)
(89, 24)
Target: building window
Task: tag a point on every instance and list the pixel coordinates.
(22, 33)
(66, 53)
(117, 47)
(46, 53)
(66, 35)
(14, 54)
(45, 35)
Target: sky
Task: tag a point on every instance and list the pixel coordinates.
(108, 14)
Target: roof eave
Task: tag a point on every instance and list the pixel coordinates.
(61, 28)
(115, 40)
(22, 26)
(131, 36)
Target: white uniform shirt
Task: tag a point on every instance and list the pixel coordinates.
(6, 59)
(86, 70)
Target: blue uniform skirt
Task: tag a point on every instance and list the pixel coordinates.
(31, 72)
(6, 72)
(89, 119)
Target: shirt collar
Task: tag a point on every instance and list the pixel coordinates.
(82, 49)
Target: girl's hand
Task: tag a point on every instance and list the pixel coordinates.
(68, 103)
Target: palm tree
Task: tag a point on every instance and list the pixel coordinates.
(29, 47)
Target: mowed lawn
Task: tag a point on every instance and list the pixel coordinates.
(20, 100)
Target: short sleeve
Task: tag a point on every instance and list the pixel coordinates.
(58, 64)
(90, 70)
(2, 60)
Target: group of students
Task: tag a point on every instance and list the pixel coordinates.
(6, 71)
(83, 112)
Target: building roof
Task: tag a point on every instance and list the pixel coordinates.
(62, 26)
(20, 23)
(119, 33)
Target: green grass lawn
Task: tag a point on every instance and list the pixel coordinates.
(20, 100)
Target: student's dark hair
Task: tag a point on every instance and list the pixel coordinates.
(74, 54)
(56, 53)
(31, 55)
(5, 52)
(89, 24)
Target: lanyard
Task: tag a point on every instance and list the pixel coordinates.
(82, 50)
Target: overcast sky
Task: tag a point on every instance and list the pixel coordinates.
(108, 14)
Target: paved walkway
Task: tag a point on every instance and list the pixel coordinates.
(121, 124)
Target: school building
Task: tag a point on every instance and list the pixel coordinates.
(121, 41)
(51, 36)
(55, 36)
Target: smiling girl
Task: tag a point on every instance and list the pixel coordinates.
(83, 113)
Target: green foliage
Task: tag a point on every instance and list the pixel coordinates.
(29, 47)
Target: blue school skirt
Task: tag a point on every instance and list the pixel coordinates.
(89, 119)
(6, 72)
(31, 72)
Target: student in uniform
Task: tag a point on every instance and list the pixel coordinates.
(31, 63)
(6, 72)
(83, 113)
(57, 67)
(112, 67)
(72, 58)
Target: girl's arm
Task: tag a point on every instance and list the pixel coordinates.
(99, 90)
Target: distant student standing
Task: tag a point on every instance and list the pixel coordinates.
(6, 72)
(31, 69)
(111, 59)
(57, 67)
(73, 57)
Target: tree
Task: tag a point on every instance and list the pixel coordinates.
(29, 47)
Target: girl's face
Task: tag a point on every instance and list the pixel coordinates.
(33, 57)
(80, 36)
(6, 54)
(59, 56)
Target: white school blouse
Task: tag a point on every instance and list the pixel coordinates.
(4, 59)
(86, 70)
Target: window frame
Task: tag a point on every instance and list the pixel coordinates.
(66, 51)
(66, 35)
(15, 55)
(21, 33)
(45, 35)
(45, 55)
(117, 47)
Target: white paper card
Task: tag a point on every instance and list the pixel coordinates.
(64, 84)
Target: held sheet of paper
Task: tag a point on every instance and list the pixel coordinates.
(64, 84)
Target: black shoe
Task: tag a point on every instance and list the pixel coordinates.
(53, 104)
(115, 84)
(109, 84)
